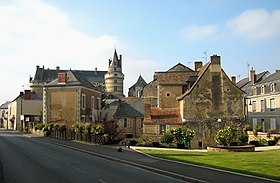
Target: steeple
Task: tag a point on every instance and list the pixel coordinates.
(114, 77)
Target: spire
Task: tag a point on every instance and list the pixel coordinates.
(115, 57)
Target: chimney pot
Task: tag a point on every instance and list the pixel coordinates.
(95, 71)
(197, 65)
(233, 79)
(253, 76)
(62, 78)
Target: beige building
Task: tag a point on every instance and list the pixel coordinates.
(25, 109)
(71, 99)
(263, 99)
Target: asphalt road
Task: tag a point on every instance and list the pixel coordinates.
(28, 160)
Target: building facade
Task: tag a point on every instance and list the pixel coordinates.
(136, 90)
(263, 99)
(24, 110)
(211, 101)
(71, 99)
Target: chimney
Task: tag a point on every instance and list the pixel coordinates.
(95, 71)
(57, 68)
(62, 78)
(147, 108)
(233, 79)
(21, 93)
(27, 95)
(197, 65)
(253, 76)
(37, 66)
(277, 71)
(215, 63)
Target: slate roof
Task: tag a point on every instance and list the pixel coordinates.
(164, 116)
(5, 105)
(34, 96)
(73, 79)
(43, 75)
(140, 82)
(271, 78)
(129, 107)
(245, 82)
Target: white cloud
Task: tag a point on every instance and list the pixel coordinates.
(196, 32)
(256, 24)
(36, 33)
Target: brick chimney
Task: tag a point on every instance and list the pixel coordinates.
(147, 108)
(62, 78)
(197, 65)
(233, 79)
(253, 76)
(27, 94)
(57, 69)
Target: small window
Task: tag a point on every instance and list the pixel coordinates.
(115, 81)
(262, 105)
(115, 88)
(272, 87)
(263, 89)
(273, 123)
(254, 106)
(272, 104)
(162, 129)
(126, 123)
(168, 94)
(83, 101)
(140, 123)
(200, 144)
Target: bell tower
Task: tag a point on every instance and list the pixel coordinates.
(114, 77)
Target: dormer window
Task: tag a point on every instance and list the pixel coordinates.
(254, 91)
(272, 87)
(263, 89)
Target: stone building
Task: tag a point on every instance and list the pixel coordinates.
(161, 107)
(211, 101)
(128, 117)
(167, 86)
(114, 77)
(71, 99)
(137, 89)
(4, 115)
(263, 99)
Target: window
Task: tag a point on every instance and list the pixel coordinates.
(168, 94)
(126, 123)
(263, 89)
(83, 118)
(115, 81)
(98, 105)
(115, 88)
(92, 102)
(255, 122)
(255, 91)
(254, 106)
(273, 123)
(140, 123)
(272, 104)
(272, 87)
(162, 129)
(83, 101)
(262, 105)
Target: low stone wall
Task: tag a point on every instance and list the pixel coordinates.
(248, 148)
(261, 135)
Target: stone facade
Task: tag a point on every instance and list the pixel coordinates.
(137, 89)
(210, 102)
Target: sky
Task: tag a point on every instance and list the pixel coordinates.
(150, 35)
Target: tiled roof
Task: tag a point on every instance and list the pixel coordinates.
(164, 116)
(5, 105)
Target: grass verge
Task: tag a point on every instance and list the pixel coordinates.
(263, 164)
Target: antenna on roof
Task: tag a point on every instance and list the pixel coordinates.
(248, 68)
(205, 56)
(189, 63)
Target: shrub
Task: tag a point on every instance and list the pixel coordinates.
(167, 138)
(39, 126)
(243, 138)
(226, 136)
(258, 128)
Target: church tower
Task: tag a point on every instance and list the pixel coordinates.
(114, 77)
